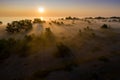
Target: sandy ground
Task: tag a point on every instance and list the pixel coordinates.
(86, 49)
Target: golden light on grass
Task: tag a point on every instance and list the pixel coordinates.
(41, 9)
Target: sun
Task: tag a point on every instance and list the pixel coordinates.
(41, 9)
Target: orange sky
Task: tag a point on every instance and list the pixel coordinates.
(59, 8)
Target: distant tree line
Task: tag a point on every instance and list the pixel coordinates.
(37, 20)
(72, 18)
(99, 17)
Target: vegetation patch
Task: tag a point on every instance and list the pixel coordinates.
(104, 26)
(19, 26)
(37, 20)
(1, 22)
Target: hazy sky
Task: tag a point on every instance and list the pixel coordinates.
(60, 7)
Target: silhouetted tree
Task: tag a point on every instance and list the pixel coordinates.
(19, 26)
(71, 18)
(0, 22)
(100, 17)
(104, 26)
(37, 20)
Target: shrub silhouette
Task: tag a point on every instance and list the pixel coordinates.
(19, 26)
(72, 18)
(37, 20)
(63, 51)
(100, 17)
(0, 22)
(49, 35)
(50, 23)
(28, 38)
(12, 46)
(104, 26)
(6, 48)
(68, 18)
(3, 50)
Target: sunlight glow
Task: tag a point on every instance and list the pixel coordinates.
(41, 9)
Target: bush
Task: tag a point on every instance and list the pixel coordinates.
(0, 22)
(6, 48)
(100, 17)
(62, 22)
(104, 26)
(3, 52)
(72, 18)
(19, 26)
(48, 30)
(63, 51)
(24, 50)
(37, 20)
(50, 23)
(49, 35)
(28, 38)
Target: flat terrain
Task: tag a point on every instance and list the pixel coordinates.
(68, 50)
